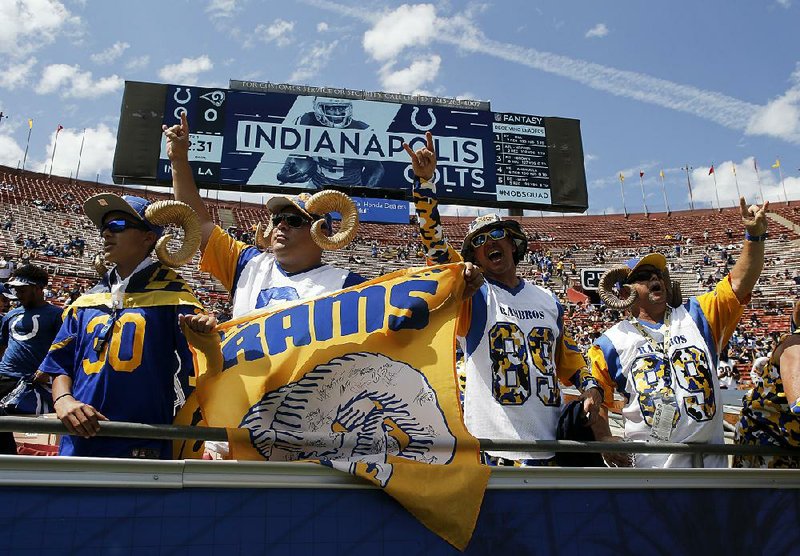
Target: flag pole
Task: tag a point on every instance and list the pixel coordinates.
(55, 144)
(641, 184)
(664, 191)
(736, 181)
(716, 189)
(758, 179)
(689, 184)
(28, 143)
(622, 188)
(783, 185)
(80, 154)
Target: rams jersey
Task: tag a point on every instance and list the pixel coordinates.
(685, 377)
(130, 363)
(768, 418)
(515, 349)
(257, 281)
(26, 335)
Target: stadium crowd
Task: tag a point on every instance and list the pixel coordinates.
(553, 260)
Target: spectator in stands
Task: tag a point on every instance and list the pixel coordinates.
(121, 354)
(512, 332)
(6, 268)
(256, 279)
(771, 410)
(663, 358)
(25, 336)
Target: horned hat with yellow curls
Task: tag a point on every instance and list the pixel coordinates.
(317, 209)
(619, 276)
(153, 216)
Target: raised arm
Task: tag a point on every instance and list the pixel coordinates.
(183, 186)
(747, 269)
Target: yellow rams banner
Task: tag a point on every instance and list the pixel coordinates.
(363, 381)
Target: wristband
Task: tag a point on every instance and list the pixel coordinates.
(749, 237)
(61, 396)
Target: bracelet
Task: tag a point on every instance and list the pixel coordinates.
(61, 396)
(749, 237)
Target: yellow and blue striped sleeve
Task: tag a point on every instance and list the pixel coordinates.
(599, 369)
(224, 257)
(716, 314)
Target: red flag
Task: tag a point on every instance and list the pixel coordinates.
(641, 174)
(60, 127)
(711, 170)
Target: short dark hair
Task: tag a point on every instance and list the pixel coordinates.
(33, 273)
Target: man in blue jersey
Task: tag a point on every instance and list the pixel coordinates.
(25, 336)
(511, 331)
(121, 354)
(257, 279)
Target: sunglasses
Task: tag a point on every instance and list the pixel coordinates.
(120, 225)
(644, 275)
(495, 233)
(292, 220)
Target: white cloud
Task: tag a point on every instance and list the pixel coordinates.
(279, 32)
(98, 151)
(111, 53)
(598, 31)
(322, 27)
(410, 79)
(28, 25)
(14, 75)
(221, 8)
(313, 60)
(780, 117)
(186, 71)
(394, 31)
(71, 82)
(10, 152)
(785, 3)
(140, 62)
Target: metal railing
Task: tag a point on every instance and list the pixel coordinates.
(177, 432)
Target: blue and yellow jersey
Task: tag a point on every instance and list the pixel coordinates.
(624, 360)
(516, 351)
(257, 281)
(132, 363)
(768, 418)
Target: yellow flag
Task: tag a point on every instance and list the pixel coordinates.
(363, 381)
(777, 163)
(30, 123)
(661, 173)
(621, 177)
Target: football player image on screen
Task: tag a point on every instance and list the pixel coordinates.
(321, 172)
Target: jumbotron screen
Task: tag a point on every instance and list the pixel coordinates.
(260, 137)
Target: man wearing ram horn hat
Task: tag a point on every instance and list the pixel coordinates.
(298, 231)
(120, 354)
(663, 357)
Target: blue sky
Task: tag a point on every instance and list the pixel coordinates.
(657, 86)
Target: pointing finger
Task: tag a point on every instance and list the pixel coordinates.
(429, 140)
(184, 122)
(411, 153)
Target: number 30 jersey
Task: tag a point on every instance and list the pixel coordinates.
(515, 352)
(685, 378)
(131, 364)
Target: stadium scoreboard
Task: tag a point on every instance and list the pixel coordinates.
(261, 137)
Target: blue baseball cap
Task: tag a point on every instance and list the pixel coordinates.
(656, 260)
(98, 206)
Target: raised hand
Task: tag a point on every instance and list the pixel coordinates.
(177, 139)
(423, 161)
(754, 217)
